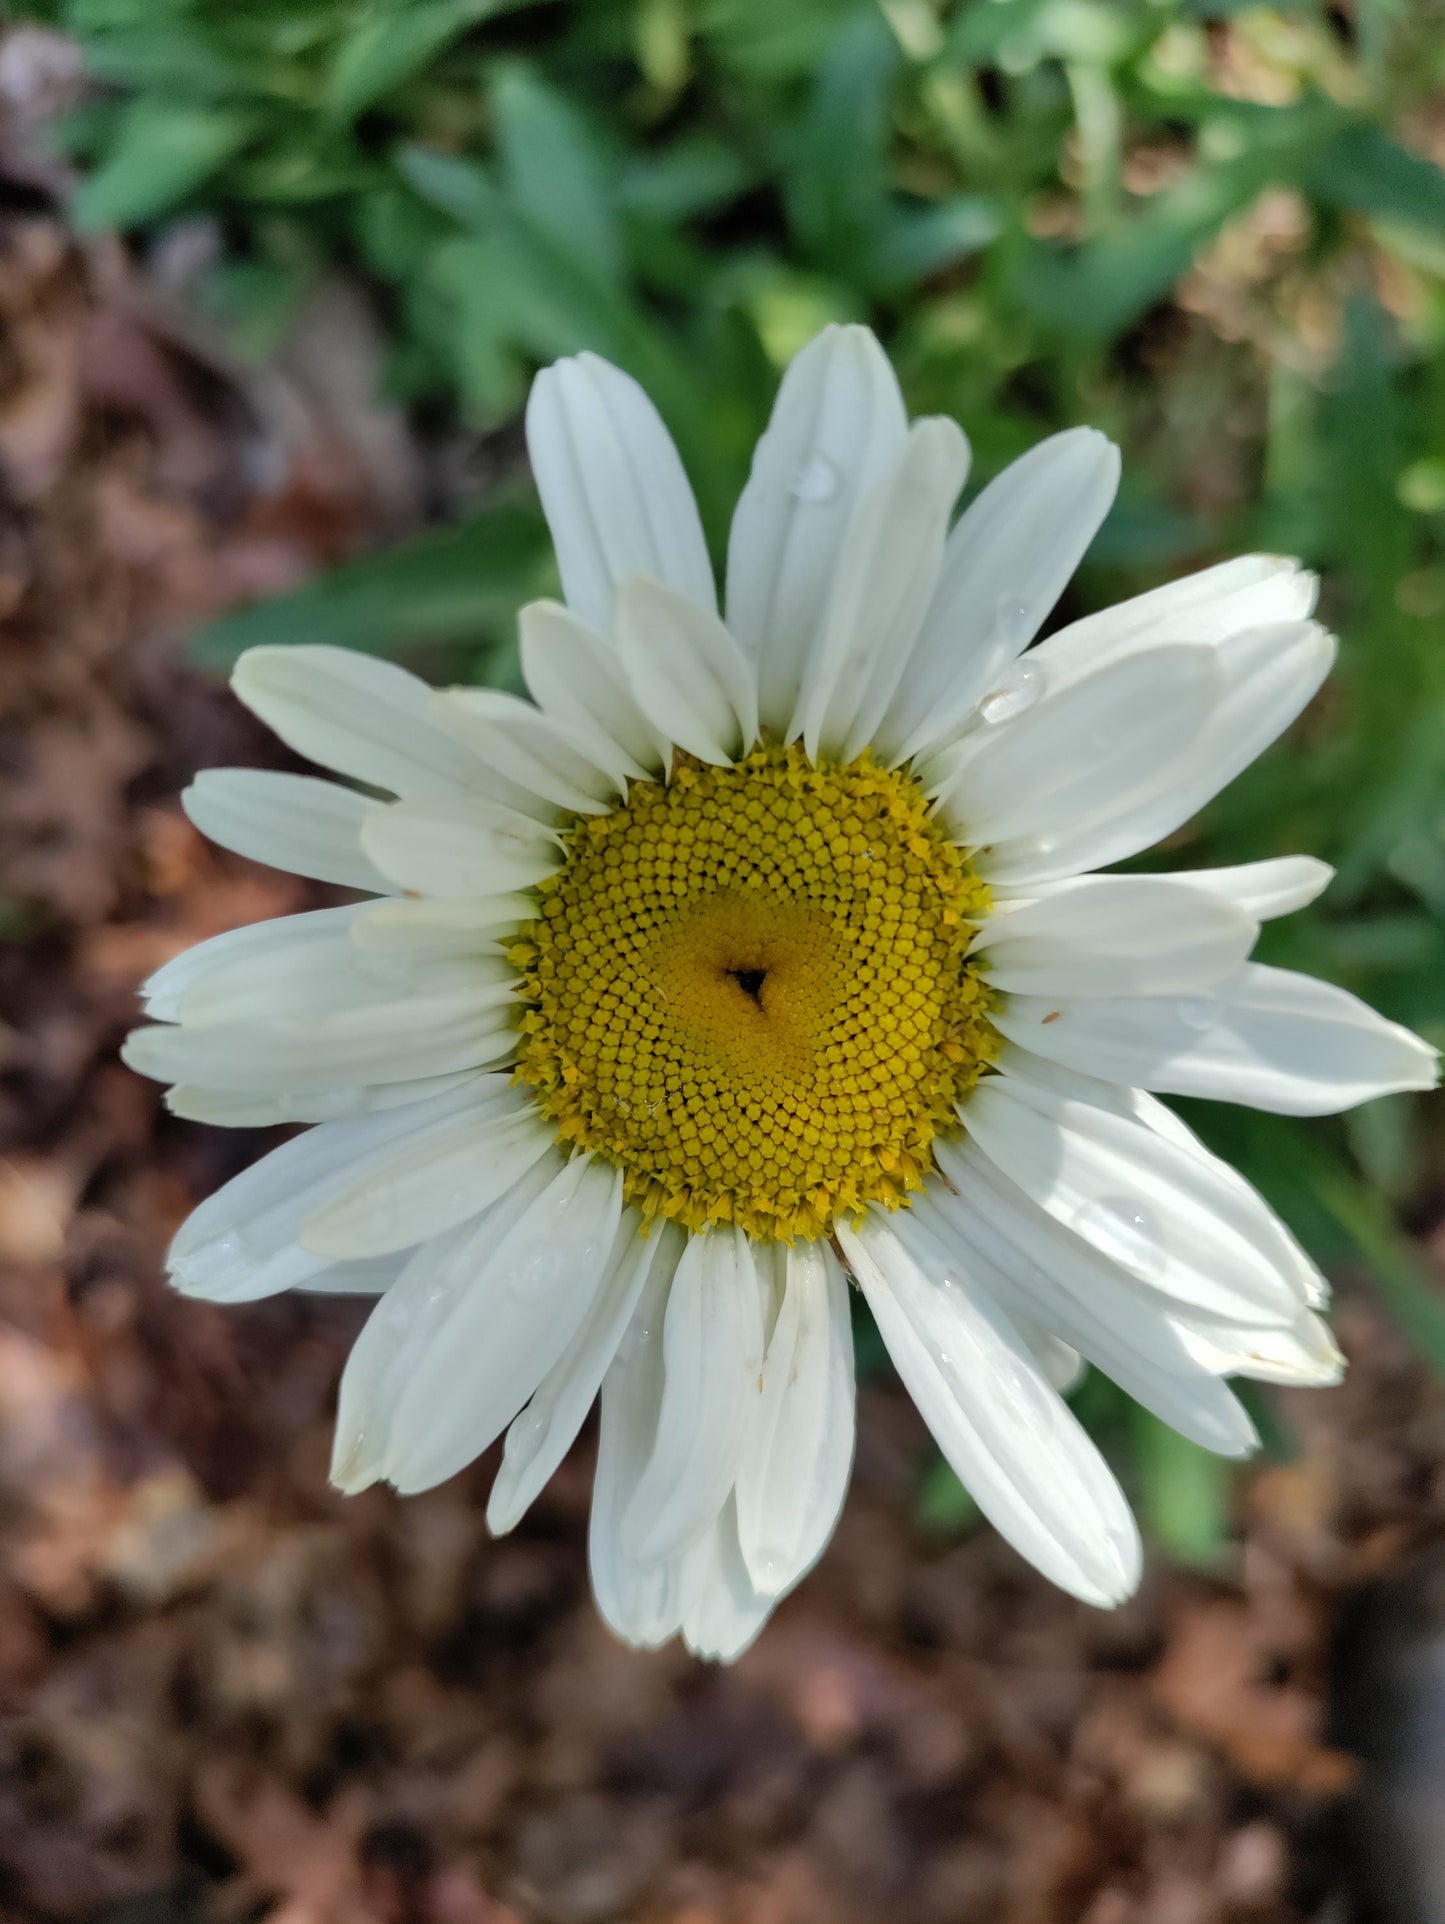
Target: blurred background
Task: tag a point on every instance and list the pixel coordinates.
(273, 279)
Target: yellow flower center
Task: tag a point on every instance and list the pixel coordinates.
(748, 988)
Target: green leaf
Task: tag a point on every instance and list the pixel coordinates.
(764, 40)
(390, 48)
(461, 188)
(559, 304)
(1364, 170)
(1411, 1294)
(838, 180)
(1100, 288)
(458, 585)
(178, 57)
(921, 241)
(1185, 1490)
(552, 168)
(472, 276)
(943, 1505)
(161, 154)
(691, 177)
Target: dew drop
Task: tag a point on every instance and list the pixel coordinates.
(1126, 1232)
(1015, 693)
(1012, 622)
(537, 1272)
(529, 1425)
(816, 480)
(217, 1265)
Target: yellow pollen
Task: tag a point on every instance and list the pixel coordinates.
(748, 989)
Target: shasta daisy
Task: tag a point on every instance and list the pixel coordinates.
(763, 952)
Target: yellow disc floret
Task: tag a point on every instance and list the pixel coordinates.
(748, 987)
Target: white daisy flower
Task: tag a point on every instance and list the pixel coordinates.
(763, 953)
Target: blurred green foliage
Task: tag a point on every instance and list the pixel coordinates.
(1215, 231)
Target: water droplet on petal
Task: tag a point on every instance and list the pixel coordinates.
(537, 1271)
(1012, 621)
(528, 1425)
(816, 480)
(1126, 1232)
(1014, 693)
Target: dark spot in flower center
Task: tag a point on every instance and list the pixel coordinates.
(750, 981)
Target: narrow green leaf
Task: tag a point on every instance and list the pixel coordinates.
(461, 188)
(458, 585)
(1098, 289)
(1364, 170)
(161, 154)
(918, 241)
(390, 48)
(838, 182)
(1413, 1298)
(551, 166)
(943, 1505)
(1185, 1490)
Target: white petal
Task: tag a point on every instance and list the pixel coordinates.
(459, 848)
(799, 1446)
(881, 589)
(396, 935)
(712, 1363)
(284, 934)
(1006, 564)
(1115, 935)
(230, 1109)
(1269, 676)
(243, 1241)
(1062, 1366)
(382, 1355)
(726, 1612)
(1256, 591)
(644, 1606)
(409, 1323)
(837, 428)
(1008, 1436)
(400, 1041)
(1093, 1305)
(368, 1278)
(685, 671)
(1305, 1354)
(292, 822)
(527, 1296)
(1265, 889)
(1134, 1105)
(322, 971)
(612, 487)
(1165, 1216)
(363, 717)
(576, 677)
(1045, 789)
(445, 1177)
(541, 1435)
(1268, 1038)
(531, 749)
